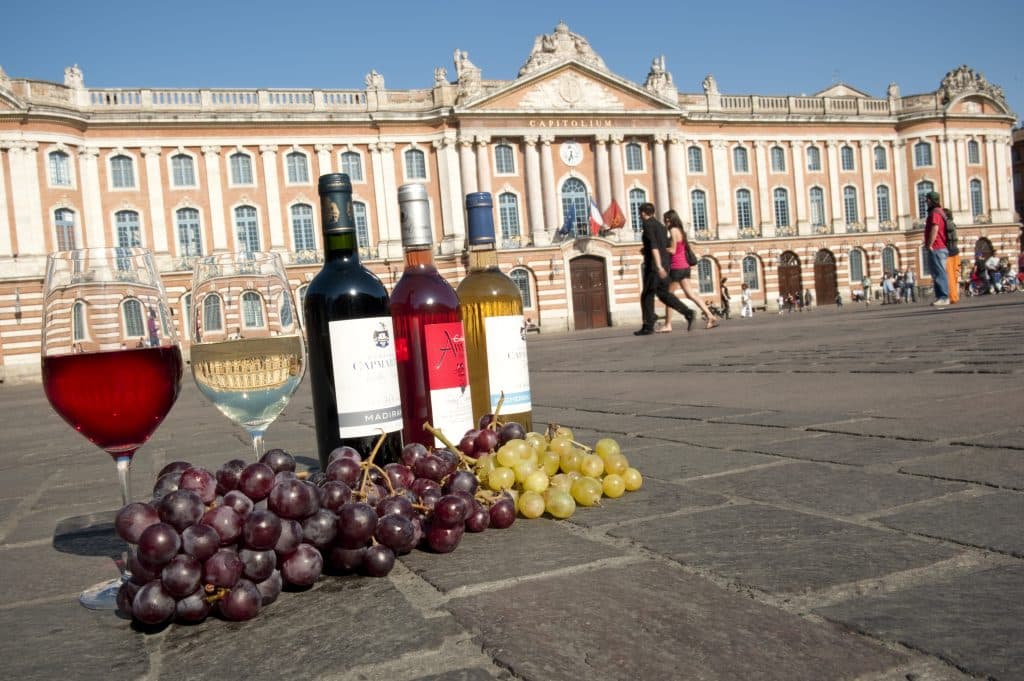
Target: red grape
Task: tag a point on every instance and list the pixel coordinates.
(261, 530)
(181, 576)
(256, 480)
(157, 544)
(133, 519)
(279, 460)
(242, 602)
(200, 541)
(303, 566)
(152, 604)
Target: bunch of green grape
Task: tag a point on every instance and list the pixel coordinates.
(553, 473)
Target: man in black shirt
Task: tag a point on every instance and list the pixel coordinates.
(656, 265)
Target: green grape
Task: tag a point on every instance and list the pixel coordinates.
(484, 465)
(524, 468)
(561, 481)
(522, 449)
(613, 486)
(549, 462)
(563, 431)
(606, 446)
(531, 505)
(586, 491)
(536, 481)
(632, 479)
(537, 441)
(501, 478)
(559, 503)
(592, 466)
(570, 461)
(507, 456)
(560, 445)
(616, 463)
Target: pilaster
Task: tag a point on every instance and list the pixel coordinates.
(271, 185)
(215, 191)
(155, 190)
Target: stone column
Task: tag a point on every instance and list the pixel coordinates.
(324, 158)
(6, 233)
(661, 197)
(273, 193)
(603, 177)
(547, 178)
(676, 175)
(92, 204)
(764, 207)
(468, 162)
(800, 209)
(905, 209)
(950, 173)
(453, 220)
(944, 168)
(618, 175)
(868, 191)
(682, 179)
(961, 202)
(993, 149)
(832, 149)
(1003, 211)
(483, 163)
(727, 228)
(388, 219)
(155, 187)
(215, 190)
(25, 199)
(539, 233)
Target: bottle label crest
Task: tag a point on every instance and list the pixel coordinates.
(508, 368)
(365, 376)
(451, 403)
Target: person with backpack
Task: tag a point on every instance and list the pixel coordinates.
(953, 261)
(935, 245)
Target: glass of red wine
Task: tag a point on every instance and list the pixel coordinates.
(111, 362)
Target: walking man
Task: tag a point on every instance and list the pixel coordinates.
(656, 265)
(935, 244)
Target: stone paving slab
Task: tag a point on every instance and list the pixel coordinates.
(649, 621)
(969, 621)
(669, 461)
(850, 449)
(44, 572)
(781, 419)
(1012, 438)
(826, 488)
(998, 467)
(654, 498)
(723, 435)
(471, 674)
(781, 551)
(993, 521)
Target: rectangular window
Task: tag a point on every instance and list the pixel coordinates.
(362, 225)
(241, 169)
(817, 207)
(813, 159)
(122, 175)
(298, 169)
(60, 169)
(695, 160)
(415, 165)
(744, 217)
(740, 160)
(700, 210)
(508, 213)
(302, 227)
(183, 171)
(352, 165)
(922, 154)
(189, 239)
(846, 158)
(973, 153)
(778, 160)
(504, 160)
(884, 211)
(634, 157)
(881, 159)
(64, 221)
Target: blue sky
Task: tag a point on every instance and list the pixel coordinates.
(751, 47)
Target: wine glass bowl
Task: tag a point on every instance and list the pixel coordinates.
(111, 362)
(248, 355)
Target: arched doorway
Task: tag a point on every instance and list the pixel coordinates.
(825, 283)
(589, 292)
(790, 282)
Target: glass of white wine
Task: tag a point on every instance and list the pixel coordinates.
(248, 354)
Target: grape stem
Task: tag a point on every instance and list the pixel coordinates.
(493, 425)
(582, 446)
(216, 593)
(369, 460)
(436, 432)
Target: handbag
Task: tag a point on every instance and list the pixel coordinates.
(691, 257)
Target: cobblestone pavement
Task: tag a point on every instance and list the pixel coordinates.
(828, 495)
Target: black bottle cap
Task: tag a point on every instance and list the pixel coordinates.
(480, 215)
(336, 203)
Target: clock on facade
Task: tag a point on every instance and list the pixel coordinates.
(571, 153)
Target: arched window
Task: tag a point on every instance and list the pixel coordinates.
(241, 168)
(889, 259)
(973, 152)
(122, 173)
(504, 160)
(508, 215)
(64, 224)
(705, 276)
(856, 266)
(817, 201)
(183, 171)
(302, 227)
(576, 203)
(78, 321)
(744, 213)
(740, 160)
(923, 187)
(813, 158)
(252, 310)
(634, 157)
(750, 273)
(247, 229)
(60, 169)
(881, 158)
(699, 210)
(522, 281)
(883, 203)
(846, 157)
(977, 199)
(850, 204)
(781, 201)
(133, 325)
(352, 165)
(778, 155)
(695, 159)
(637, 197)
(127, 223)
(922, 154)
(298, 167)
(190, 240)
(362, 224)
(212, 320)
(415, 164)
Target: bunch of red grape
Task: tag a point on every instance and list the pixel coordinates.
(228, 542)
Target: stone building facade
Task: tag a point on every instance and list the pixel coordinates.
(782, 193)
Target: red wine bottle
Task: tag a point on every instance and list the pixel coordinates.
(430, 342)
(352, 367)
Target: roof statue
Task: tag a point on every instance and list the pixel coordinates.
(468, 76)
(659, 80)
(893, 91)
(710, 85)
(374, 80)
(562, 45)
(73, 77)
(440, 76)
(5, 80)
(965, 80)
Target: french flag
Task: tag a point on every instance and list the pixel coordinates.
(596, 219)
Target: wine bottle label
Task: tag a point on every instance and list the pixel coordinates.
(508, 369)
(451, 404)
(365, 376)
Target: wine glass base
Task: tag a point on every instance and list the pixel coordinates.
(102, 596)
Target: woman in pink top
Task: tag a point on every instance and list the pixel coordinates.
(679, 273)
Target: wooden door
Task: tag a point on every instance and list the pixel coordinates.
(790, 282)
(589, 292)
(825, 283)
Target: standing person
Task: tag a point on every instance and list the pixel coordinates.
(152, 328)
(839, 299)
(808, 299)
(781, 302)
(679, 272)
(953, 261)
(656, 264)
(748, 307)
(935, 244)
(725, 299)
(909, 279)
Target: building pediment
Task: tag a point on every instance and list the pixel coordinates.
(570, 87)
(842, 90)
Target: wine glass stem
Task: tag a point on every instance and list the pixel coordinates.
(257, 445)
(122, 476)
